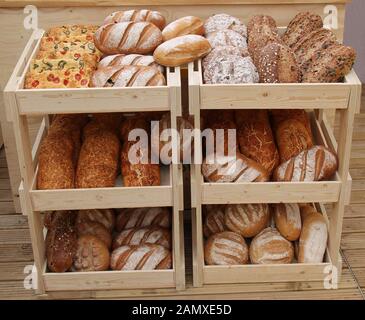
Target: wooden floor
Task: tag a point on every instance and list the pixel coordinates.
(16, 252)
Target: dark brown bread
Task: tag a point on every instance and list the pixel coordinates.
(59, 219)
(259, 20)
(256, 139)
(302, 24)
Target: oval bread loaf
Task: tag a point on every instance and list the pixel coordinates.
(223, 21)
(181, 50)
(214, 220)
(183, 26)
(95, 229)
(225, 248)
(104, 216)
(287, 220)
(117, 60)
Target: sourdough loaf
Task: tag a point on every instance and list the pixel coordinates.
(224, 21)
(213, 219)
(288, 220)
(106, 217)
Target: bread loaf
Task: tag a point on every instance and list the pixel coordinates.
(181, 50)
(105, 217)
(143, 217)
(91, 254)
(213, 220)
(315, 164)
(256, 139)
(233, 169)
(142, 257)
(288, 220)
(60, 248)
(117, 60)
(183, 26)
(259, 20)
(277, 64)
(247, 219)
(313, 239)
(59, 219)
(96, 229)
(281, 115)
(154, 17)
(302, 24)
(227, 37)
(128, 37)
(138, 236)
(306, 210)
(269, 247)
(127, 76)
(224, 21)
(219, 52)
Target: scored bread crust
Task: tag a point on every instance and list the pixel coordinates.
(213, 220)
(288, 220)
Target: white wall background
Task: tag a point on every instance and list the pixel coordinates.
(355, 33)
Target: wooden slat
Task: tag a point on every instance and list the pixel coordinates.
(14, 290)
(355, 257)
(5, 195)
(355, 211)
(6, 207)
(353, 241)
(4, 184)
(360, 276)
(12, 252)
(14, 236)
(354, 225)
(12, 270)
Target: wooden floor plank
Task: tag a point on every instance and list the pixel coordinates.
(354, 225)
(16, 252)
(12, 270)
(15, 221)
(6, 195)
(14, 236)
(353, 241)
(355, 257)
(4, 184)
(6, 207)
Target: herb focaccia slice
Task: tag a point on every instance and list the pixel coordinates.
(67, 31)
(41, 65)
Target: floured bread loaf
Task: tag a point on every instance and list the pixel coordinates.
(224, 21)
(214, 220)
(288, 220)
(226, 37)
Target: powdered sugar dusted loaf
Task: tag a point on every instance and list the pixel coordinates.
(224, 21)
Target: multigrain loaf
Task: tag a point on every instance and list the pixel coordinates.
(58, 219)
(225, 248)
(183, 26)
(213, 219)
(287, 220)
(259, 20)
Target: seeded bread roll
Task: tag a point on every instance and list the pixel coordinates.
(154, 17)
(182, 50)
(127, 37)
(117, 60)
(288, 220)
(142, 257)
(247, 219)
(227, 37)
(269, 247)
(183, 26)
(302, 24)
(225, 248)
(277, 64)
(214, 220)
(315, 164)
(259, 20)
(105, 217)
(224, 21)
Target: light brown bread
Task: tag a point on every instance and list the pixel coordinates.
(182, 50)
(59, 219)
(95, 229)
(142, 257)
(288, 220)
(280, 115)
(213, 220)
(225, 248)
(117, 60)
(269, 247)
(183, 26)
(225, 38)
(247, 219)
(106, 217)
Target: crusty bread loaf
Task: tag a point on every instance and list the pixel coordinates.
(317, 163)
(225, 38)
(256, 139)
(301, 25)
(128, 37)
(259, 20)
(96, 229)
(183, 26)
(106, 217)
(117, 60)
(225, 248)
(247, 219)
(91, 254)
(292, 138)
(60, 248)
(70, 31)
(330, 64)
(127, 76)
(269, 247)
(313, 239)
(58, 219)
(138, 236)
(288, 220)
(237, 168)
(143, 217)
(142, 257)
(277, 64)
(213, 220)
(181, 50)
(219, 52)
(222, 21)
(154, 17)
(306, 210)
(281, 115)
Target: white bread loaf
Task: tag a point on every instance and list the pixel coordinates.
(117, 60)
(288, 220)
(183, 26)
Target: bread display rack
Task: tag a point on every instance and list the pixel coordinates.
(22, 103)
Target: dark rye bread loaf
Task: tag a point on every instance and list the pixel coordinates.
(258, 20)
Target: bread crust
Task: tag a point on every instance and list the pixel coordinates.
(183, 26)
(288, 220)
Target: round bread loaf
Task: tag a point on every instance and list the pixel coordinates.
(214, 220)
(104, 216)
(259, 20)
(269, 247)
(225, 38)
(183, 26)
(288, 220)
(223, 51)
(224, 21)
(247, 219)
(225, 248)
(95, 229)
(58, 219)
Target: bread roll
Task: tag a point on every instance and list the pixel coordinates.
(224, 21)
(302, 24)
(225, 248)
(154, 17)
(214, 220)
(127, 37)
(138, 236)
(233, 169)
(288, 220)
(313, 239)
(247, 219)
(183, 26)
(277, 64)
(269, 247)
(91, 254)
(225, 38)
(256, 139)
(315, 164)
(105, 217)
(143, 217)
(142, 257)
(127, 76)
(96, 229)
(117, 60)
(181, 50)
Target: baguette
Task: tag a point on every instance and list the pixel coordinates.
(183, 26)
